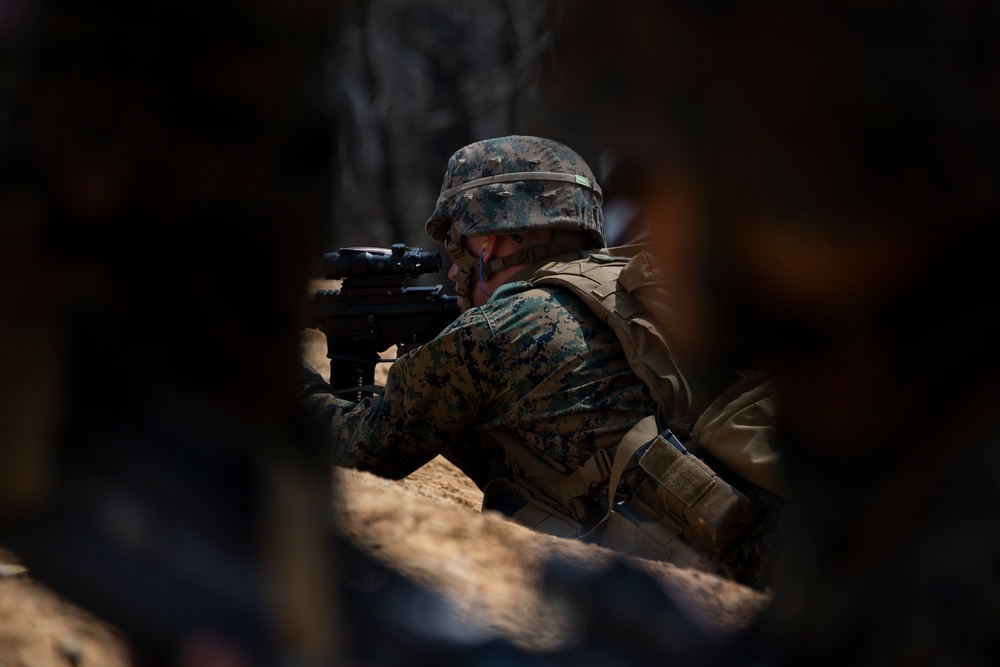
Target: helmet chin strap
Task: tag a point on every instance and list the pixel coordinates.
(467, 263)
(472, 268)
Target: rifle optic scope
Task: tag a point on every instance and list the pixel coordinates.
(395, 262)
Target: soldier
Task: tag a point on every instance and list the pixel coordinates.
(528, 384)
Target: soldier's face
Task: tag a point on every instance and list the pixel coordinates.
(452, 276)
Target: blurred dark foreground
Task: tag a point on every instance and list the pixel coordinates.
(821, 180)
(821, 177)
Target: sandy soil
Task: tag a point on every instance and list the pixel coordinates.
(38, 628)
(427, 527)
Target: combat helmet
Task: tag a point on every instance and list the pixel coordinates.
(511, 184)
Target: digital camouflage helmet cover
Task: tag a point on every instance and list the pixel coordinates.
(511, 184)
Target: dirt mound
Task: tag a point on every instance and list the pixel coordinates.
(38, 627)
(428, 527)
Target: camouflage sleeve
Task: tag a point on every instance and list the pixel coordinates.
(536, 364)
(320, 404)
(431, 399)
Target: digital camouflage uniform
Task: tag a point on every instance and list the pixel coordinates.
(532, 368)
(535, 363)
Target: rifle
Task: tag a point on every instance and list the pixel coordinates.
(373, 310)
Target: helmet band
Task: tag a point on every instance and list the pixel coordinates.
(524, 176)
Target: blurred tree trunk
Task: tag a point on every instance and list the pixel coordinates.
(413, 81)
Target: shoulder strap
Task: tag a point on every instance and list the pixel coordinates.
(732, 420)
(624, 460)
(595, 280)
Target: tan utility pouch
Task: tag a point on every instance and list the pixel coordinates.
(525, 508)
(682, 486)
(639, 536)
(660, 538)
(681, 511)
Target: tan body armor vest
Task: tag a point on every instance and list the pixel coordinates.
(681, 510)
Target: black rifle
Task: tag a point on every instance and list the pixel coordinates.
(373, 310)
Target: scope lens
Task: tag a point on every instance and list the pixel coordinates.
(427, 262)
